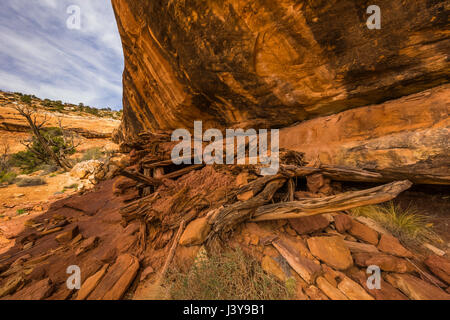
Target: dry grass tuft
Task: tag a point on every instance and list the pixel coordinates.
(227, 276)
(406, 224)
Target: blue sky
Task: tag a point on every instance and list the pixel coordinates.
(40, 55)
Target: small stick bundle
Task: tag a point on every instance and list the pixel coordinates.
(141, 178)
(256, 210)
(138, 208)
(228, 217)
(155, 290)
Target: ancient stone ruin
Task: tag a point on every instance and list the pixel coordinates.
(363, 117)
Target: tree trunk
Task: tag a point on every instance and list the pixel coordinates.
(60, 162)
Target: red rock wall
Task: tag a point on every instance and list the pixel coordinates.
(273, 63)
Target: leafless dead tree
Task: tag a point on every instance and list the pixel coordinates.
(4, 156)
(30, 114)
(70, 138)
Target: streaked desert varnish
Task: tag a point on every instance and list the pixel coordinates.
(264, 64)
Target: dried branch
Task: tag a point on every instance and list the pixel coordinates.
(343, 201)
(29, 113)
(228, 217)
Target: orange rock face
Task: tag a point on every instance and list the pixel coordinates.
(363, 232)
(310, 224)
(415, 288)
(266, 64)
(391, 245)
(114, 284)
(342, 222)
(440, 266)
(384, 261)
(195, 232)
(272, 63)
(332, 251)
(403, 138)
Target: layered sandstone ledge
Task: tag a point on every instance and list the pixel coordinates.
(403, 138)
(272, 63)
(346, 95)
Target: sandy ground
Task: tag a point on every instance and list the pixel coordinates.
(35, 200)
(19, 204)
(13, 139)
(68, 120)
(22, 196)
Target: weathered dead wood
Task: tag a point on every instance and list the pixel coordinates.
(158, 179)
(291, 171)
(305, 267)
(290, 191)
(142, 238)
(29, 113)
(139, 177)
(147, 189)
(228, 217)
(138, 208)
(343, 201)
(171, 253)
(351, 174)
(344, 173)
(154, 291)
(150, 163)
(257, 185)
(158, 172)
(181, 172)
(334, 173)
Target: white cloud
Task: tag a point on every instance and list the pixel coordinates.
(39, 55)
(49, 3)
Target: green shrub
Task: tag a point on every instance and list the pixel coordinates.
(7, 177)
(53, 105)
(92, 154)
(21, 211)
(227, 276)
(32, 159)
(72, 186)
(25, 160)
(30, 182)
(26, 99)
(92, 111)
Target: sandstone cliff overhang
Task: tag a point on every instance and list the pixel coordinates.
(272, 63)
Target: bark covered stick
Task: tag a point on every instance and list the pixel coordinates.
(154, 291)
(228, 217)
(337, 173)
(139, 177)
(181, 172)
(343, 201)
(172, 250)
